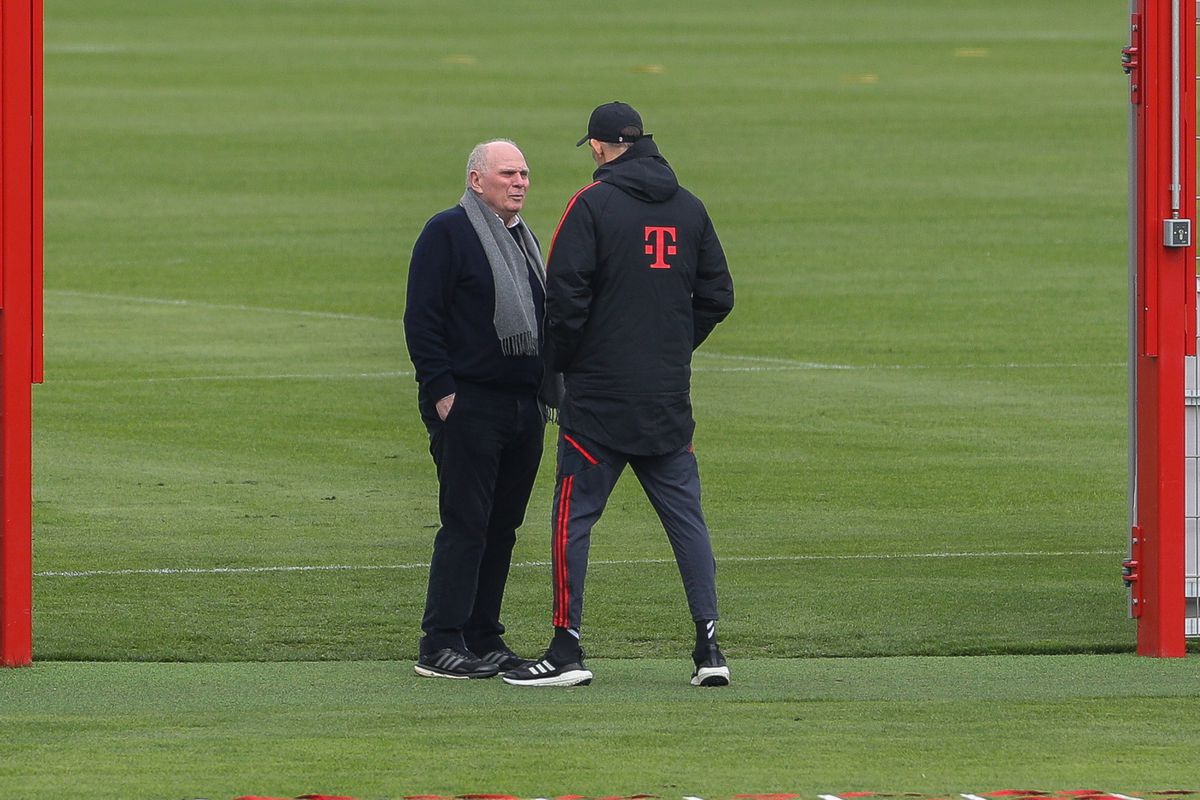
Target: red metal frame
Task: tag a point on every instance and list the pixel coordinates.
(1164, 319)
(20, 312)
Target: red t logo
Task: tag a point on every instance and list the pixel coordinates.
(658, 247)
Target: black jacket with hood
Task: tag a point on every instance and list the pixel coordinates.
(635, 281)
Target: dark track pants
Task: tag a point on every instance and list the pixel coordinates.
(586, 475)
(487, 454)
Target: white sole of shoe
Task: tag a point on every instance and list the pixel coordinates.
(711, 676)
(426, 672)
(576, 677)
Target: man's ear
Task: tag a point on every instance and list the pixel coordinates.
(597, 150)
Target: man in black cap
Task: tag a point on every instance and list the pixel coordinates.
(636, 280)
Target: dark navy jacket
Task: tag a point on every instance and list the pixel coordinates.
(449, 310)
(635, 281)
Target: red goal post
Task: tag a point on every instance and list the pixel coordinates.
(1161, 63)
(20, 312)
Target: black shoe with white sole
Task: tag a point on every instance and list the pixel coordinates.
(449, 663)
(505, 659)
(551, 671)
(711, 669)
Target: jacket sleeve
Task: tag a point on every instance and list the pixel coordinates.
(430, 293)
(569, 273)
(712, 295)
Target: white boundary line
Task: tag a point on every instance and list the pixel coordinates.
(776, 362)
(100, 573)
(768, 364)
(794, 364)
(331, 376)
(86, 48)
(408, 373)
(159, 301)
(327, 376)
(297, 376)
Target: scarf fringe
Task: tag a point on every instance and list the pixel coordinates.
(520, 344)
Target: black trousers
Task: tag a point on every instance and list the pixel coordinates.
(487, 453)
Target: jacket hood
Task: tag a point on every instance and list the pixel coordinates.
(641, 172)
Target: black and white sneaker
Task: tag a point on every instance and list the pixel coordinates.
(505, 659)
(711, 669)
(551, 672)
(448, 663)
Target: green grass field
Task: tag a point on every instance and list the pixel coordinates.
(911, 430)
(805, 726)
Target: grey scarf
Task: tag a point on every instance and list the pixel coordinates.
(515, 316)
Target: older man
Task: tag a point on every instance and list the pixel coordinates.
(473, 323)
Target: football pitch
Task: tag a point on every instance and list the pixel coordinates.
(911, 430)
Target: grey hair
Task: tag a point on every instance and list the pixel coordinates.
(477, 161)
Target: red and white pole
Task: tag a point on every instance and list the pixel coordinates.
(20, 312)
(1161, 62)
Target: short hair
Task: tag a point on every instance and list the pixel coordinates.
(631, 133)
(477, 161)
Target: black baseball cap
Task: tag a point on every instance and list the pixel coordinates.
(607, 122)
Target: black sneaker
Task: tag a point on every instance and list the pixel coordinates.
(711, 669)
(448, 663)
(505, 659)
(550, 671)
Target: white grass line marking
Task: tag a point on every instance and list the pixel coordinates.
(394, 374)
(972, 797)
(787, 362)
(779, 364)
(1122, 796)
(283, 377)
(104, 573)
(159, 301)
(85, 48)
(792, 364)
(829, 797)
(774, 368)
(409, 374)
(96, 573)
(332, 376)
(1048, 365)
(856, 557)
